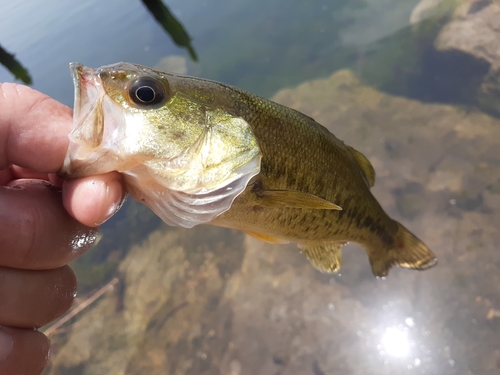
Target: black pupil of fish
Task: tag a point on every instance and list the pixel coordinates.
(146, 92)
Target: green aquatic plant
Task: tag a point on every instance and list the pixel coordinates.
(171, 25)
(14, 66)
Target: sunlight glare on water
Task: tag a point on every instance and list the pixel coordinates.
(395, 342)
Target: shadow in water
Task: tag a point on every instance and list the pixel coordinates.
(408, 64)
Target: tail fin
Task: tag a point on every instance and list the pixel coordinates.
(407, 252)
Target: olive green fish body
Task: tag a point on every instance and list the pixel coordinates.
(198, 151)
(298, 154)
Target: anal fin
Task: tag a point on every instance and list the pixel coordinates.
(326, 257)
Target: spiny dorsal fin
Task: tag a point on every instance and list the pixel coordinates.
(325, 258)
(294, 199)
(365, 165)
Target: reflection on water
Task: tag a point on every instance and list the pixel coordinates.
(158, 10)
(395, 342)
(211, 301)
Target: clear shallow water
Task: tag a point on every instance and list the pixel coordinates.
(211, 301)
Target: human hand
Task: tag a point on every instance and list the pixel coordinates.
(45, 223)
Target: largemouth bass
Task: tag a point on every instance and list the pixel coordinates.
(201, 152)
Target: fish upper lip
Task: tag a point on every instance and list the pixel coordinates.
(80, 72)
(86, 84)
(83, 78)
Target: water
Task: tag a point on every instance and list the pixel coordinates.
(211, 301)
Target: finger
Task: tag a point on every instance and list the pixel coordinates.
(56, 180)
(5, 176)
(23, 351)
(93, 200)
(35, 298)
(19, 172)
(36, 232)
(34, 129)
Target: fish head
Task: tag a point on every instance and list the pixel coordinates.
(122, 118)
(182, 156)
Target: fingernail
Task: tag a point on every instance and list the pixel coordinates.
(6, 344)
(24, 183)
(115, 198)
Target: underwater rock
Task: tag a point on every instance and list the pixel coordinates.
(426, 9)
(173, 64)
(178, 65)
(488, 95)
(475, 30)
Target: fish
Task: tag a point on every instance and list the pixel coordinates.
(197, 151)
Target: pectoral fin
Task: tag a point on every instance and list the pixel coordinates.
(294, 199)
(326, 258)
(265, 237)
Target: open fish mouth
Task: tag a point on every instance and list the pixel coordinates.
(87, 85)
(87, 117)
(89, 138)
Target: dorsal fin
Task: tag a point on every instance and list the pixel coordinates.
(365, 165)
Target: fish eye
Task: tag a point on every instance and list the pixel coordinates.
(147, 92)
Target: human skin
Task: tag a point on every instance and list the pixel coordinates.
(45, 222)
